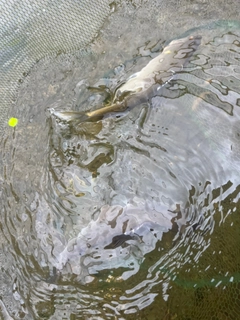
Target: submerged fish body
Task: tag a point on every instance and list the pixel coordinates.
(159, 70)
(119, 236)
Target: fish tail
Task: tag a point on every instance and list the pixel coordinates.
(70, 116)
(97, 114)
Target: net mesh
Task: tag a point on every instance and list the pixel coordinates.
(30, 30)
(210, 289)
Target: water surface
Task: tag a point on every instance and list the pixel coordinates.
(165, 174)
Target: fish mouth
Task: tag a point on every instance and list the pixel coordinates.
(191, 42)
(196, 40)
(197, 37)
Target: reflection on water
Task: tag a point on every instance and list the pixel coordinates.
(106, 218)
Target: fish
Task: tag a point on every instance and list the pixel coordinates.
(119, 236)
(159, 70)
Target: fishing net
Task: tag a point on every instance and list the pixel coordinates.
(31, 30)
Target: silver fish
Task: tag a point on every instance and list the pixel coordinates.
(119, 235)
(159, 70)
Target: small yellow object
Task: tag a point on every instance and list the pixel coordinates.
(168, 51)
(12, 122)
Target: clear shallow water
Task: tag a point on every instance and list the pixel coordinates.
(163, 169)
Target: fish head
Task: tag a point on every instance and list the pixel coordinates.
(182, 49)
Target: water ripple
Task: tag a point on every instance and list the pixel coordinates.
(100, 219)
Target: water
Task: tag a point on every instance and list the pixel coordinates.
(165, 173)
